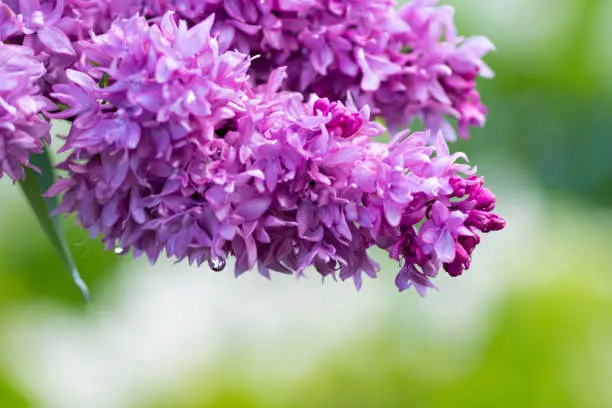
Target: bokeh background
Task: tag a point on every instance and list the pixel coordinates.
(529, 326)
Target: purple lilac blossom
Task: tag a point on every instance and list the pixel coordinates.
(173, 150)
(405, 64)
(138, 157)
(22, 130)
(53, 28)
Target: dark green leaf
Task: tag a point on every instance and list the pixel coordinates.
(34, 186)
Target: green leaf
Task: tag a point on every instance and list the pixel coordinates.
(34, 186)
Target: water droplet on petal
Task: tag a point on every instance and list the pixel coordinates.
(217, 264)
(119, 250)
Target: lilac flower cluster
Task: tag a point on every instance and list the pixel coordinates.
(22, 130)
(222, 133)
(173, 149)
(141, 143)
(403, 64)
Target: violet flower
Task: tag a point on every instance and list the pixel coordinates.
(144, 141)
(22, 130)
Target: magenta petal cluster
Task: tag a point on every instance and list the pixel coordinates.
(143, 142)
(404, 64)
(173, 149)
(22, 130)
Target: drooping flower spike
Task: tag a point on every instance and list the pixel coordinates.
(222, 134)
(173, 150)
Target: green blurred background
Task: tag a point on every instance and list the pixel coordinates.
(529, 326)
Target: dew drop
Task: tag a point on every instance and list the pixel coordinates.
(217, 264)
(119, 250)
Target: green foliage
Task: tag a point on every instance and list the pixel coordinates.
(35, 186)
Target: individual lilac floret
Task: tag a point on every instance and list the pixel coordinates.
(144, 134)
(43, 26)
(10, 24)
(22, 130)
